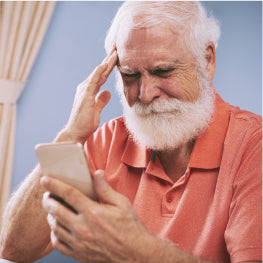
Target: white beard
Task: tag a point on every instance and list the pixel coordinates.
(167, 124)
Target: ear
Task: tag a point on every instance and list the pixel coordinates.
(210, 56)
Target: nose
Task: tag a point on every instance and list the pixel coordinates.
(149, 89)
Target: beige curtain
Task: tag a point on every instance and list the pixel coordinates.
(23, 26)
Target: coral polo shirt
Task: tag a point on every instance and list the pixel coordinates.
(214, 210)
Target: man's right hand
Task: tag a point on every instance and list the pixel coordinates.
(89, 102)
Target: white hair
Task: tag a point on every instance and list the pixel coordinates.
(166, 125)
(188, 18)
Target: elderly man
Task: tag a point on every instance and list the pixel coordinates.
(178, 176)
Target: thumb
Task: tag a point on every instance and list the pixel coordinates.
(102, 99)
(103, 190)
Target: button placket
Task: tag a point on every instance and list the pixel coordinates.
(169, 203)
(169, 199)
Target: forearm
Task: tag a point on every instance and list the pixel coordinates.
(156, 250)
(25, 232)
(66, 135)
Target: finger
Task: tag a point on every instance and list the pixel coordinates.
(106, 59)
(63, 215)
(68, 193)
(103, 190)
(102, 99)
(60, 231)
(54, 223)
(96, 79)
(111, 61)
(101, 73)
(60, 245)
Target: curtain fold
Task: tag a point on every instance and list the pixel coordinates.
(23, 25)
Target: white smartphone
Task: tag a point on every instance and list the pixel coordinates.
(66, 161)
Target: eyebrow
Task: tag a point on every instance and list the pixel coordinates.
(161, 65)
(172, 64)
(124, 69)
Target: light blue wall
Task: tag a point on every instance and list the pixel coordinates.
(74, 46)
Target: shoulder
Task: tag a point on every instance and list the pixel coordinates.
(115, 127)
(243, 145)
(244, 126)
(245, 117)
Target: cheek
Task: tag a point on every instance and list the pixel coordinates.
(185, 87)
(191, 88)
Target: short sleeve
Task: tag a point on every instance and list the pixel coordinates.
(243, 233)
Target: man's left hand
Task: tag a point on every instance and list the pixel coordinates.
(109, 231)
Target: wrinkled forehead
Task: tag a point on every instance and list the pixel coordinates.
(127, 31)
(159, 41)
(138, 29)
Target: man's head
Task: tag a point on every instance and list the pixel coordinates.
(166, 60)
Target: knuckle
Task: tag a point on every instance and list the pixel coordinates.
(94, 212)
(104, 78)
(68, 193)
(78, 229)
(93, 81)
(79, 246)
(82, 231)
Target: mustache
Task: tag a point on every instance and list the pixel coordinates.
(172, 105)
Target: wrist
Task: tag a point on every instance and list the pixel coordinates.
(152, 250)
(148, 248)
(157, 250)
(65, 136)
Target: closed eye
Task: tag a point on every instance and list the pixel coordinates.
(162, 72)
(132, 75)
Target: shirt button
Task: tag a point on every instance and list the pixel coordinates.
(169, 199)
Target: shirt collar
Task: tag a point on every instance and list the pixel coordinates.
(135, 154)
(208, 148)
